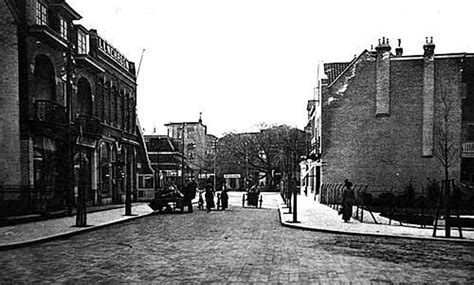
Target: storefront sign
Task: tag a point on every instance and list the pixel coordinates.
(231, 175)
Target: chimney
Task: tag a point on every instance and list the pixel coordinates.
(383, 46)
(429, 47)
(399, 49)
(382, 79)
(428, 98)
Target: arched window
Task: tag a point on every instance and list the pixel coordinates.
(45, 82)
(98, 101)
(119, 108)
(113, 106)
(107, 102)
(84, 98)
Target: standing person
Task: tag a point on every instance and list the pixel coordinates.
(209, 195)
(224, 198)
(190, 194)
(348, 200)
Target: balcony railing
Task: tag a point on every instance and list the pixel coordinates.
(89, 126)
(49, 112)
(468, 149)
(468, 131)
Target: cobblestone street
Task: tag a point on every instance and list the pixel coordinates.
(238, 245)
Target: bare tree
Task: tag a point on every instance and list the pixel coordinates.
(445, 150)
(267, 151)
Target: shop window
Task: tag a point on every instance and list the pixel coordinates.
(148, 181)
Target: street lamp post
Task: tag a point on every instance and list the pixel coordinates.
(182, 156)
(246, 166)
(128, 194)
(215, 158)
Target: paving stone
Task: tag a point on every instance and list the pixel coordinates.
(239, 245)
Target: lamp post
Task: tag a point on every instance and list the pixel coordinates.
(128, 194)
(81, 212)
(182, 156)
(246, 166)
(214, 144)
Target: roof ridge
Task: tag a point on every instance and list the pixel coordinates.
(351, 63)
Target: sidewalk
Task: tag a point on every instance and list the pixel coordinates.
(28, 233)
(312, 215)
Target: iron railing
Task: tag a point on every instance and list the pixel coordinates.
(49, 112)
(24, 200)
(89, 125)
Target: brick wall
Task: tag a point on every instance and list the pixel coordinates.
(9, 99)
(385, 152)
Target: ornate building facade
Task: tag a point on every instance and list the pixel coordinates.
(76, 108)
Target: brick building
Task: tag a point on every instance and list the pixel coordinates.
(382, 118)
(71, 100)
(196, 144)
(10, 168)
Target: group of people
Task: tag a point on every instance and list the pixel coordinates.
(222, 198)
(188, 193)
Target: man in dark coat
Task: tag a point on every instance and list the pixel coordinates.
(209, 195)
(348, 200)
(190, 194)
(224, 198)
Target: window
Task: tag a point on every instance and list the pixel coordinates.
(41, 14)
(148, 181)
(81, 43)
(63, 28)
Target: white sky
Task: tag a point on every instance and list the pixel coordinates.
(244, 62)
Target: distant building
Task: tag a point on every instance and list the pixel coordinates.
(196, 144)
(146, 179)
(67, 112)
(381, 119)
(310, 168)
(166, 159)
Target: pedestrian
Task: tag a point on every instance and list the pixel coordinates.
(348, 200)
(200, 202)
(190, 194)
(224, 198)
(209, 195)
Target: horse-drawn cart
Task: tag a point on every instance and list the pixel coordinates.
(168, 201)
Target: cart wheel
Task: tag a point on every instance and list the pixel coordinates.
(243, 201)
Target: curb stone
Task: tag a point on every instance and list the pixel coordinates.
(302, 227)
(14, 245)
